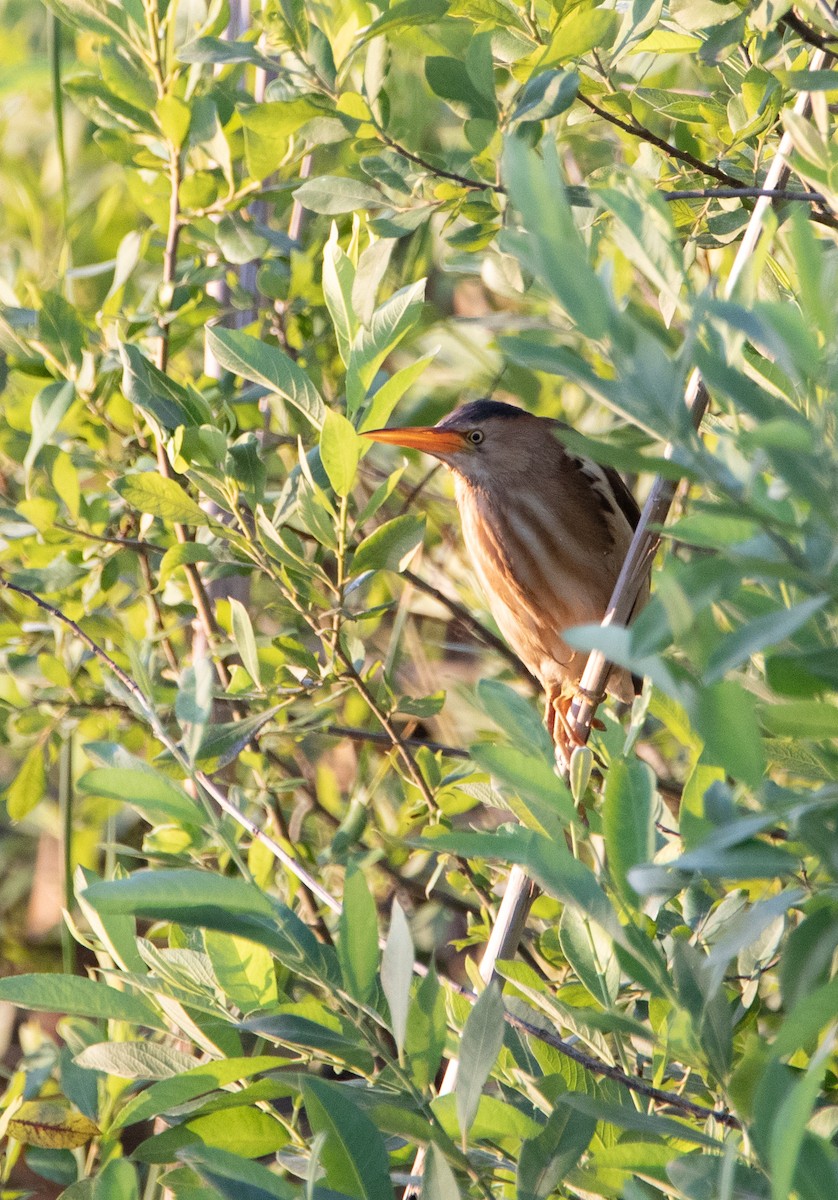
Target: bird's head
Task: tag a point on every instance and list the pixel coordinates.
(480, 440)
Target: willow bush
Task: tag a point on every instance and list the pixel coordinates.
(250, 685)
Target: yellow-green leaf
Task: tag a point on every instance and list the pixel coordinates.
(28, 785)
(151, 493)
(51, 1124)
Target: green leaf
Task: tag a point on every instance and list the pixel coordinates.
(358, 941)
(161, 497)
(627, 1117)
(340, 451)
(134, 1060)
(788, 1127)
(390, 546)
(757, 635)
(404, 14)
(591, 955)
(245, 972)
(222, 742)
(532, 777)
(245, 640)
(353, 1152)
(155, 394)
(554, 251)
(812, 1013)
(479, 1048)
(221, 52)
(60, 330)
(582, 30)
(638, 21)
(181, 554)
(147, 790)
(48, 411)
(338, 282)
(247, 356)
(544, 96)
(547, 1159)
(551, 865)
(438, 1182)
(335, 194)
(515, 715)
(292, 1030)
(193, 704)
(29, 785)
(628, 820)
(378, 410)
(78, 997)
(238, 241)
(234, 1177)
(188, 1086)
(388, 325)
(724, 715)
(246, 1131)
(397, 973)
(214, 901)
(447, 79)
(427, 1029)
(800, 719)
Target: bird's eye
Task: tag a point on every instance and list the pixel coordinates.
(476, 437)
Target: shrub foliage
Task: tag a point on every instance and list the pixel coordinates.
(249, 682)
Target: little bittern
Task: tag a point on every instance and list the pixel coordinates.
(547, 531)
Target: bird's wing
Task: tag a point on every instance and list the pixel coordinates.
(622, 496)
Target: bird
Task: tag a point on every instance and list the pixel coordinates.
(547, 531)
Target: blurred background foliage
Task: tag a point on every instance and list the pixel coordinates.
(230, 242)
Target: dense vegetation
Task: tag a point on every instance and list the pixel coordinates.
(252, 699)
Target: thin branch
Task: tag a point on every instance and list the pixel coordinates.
(156, 725)
(637, 130)
(734, 193)
(634, 1084)
(396, 740)
(148, 580)
(206, 617)
(732, 189)
(806, 33)
(383, 739)
(469, 622)
(463, 180)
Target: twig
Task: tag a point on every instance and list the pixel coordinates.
(396, 740)
(203, 609)
(383, 739)
(463, 180)
(806, 32)
(162, 736)
(637, 130)
(644, 543)
(734, 193)
(470, 623)
(148, 580)
(634, 1084)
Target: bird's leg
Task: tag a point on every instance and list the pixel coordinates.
(561, 707)
(561, 733)
(559, 725)
(550, 717)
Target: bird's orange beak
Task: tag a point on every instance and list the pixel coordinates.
(439, 442)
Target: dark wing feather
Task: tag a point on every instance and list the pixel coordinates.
(622, 496)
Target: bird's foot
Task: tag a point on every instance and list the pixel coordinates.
(561, 729)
